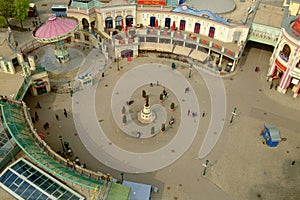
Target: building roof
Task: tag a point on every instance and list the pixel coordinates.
(216, 6)
(118, 191)
(138, 190)
(269, 15)
(183, 8)
(23, 180)
(55, 29)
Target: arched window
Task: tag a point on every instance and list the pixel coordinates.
(182, 25)
(152, 21)
(168, 22)
(284, 54)
(118, 22)
(85, 24)
(108, 22)
(197, 28)
(129, 20)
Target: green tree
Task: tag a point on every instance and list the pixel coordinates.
(21, 8)
(172, 106)
(6, 9)
(3, 23)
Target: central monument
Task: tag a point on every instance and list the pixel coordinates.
(146, 115)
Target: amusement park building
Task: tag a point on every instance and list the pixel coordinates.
(181, 30)
(285, 61)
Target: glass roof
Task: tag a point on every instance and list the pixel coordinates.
(23, 180)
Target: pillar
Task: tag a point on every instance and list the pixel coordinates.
(8, 67)
(233, 66)
(25, 68)
(20, 57)
(283, 81)
(220, 60)
(31, 63)
(297, 90)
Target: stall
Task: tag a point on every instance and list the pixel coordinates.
(271, 135)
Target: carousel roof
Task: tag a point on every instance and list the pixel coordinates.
(55, 29)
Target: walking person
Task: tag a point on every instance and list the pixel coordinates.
(203, 114)
(57, 117)
(36, 117)
(271, 86)
(189, 112)
(65, 113)
(38, 105)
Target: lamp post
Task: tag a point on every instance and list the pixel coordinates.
(205, 167)
(233, 114)
(122, 177)
(190, 71)
(61, 142)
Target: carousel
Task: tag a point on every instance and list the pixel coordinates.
(61, 58)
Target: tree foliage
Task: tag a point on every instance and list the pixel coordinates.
(6, 9)
(3, 23)
(21, 8)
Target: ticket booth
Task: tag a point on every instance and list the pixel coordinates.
(271, 135)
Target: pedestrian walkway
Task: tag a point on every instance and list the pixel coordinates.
(95, 139)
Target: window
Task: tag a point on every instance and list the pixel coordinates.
(87, 38)
(284, 54)
(77, 36)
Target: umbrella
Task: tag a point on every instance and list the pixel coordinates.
(156, 24)
(173, 26)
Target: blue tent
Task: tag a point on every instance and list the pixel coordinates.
(271, 135)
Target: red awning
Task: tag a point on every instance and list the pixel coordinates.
(280, 66)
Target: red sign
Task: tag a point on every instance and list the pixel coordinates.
(152, 2)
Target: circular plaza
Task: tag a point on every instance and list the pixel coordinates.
(136, 147)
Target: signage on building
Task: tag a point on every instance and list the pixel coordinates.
(152, 2)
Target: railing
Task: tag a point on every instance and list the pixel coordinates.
(18, 121)
(24, 87)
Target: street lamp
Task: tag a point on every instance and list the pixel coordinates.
(205, 167)
(190, 71)
(233, 114)
(122, 177)
(61, 142)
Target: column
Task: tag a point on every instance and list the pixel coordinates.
(31, 63)
(271, 71)
(297, 90)
(233, 66)
(284, 79)
(9, 67)
(219, 65)
(25, 68)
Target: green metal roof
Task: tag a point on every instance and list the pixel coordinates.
(118, 192)
(22, 136)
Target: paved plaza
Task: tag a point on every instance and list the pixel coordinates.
(240, 165)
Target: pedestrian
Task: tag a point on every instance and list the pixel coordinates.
(36, 117)
(271, 85)
(47, 125)
(57, 117)
(65, 113)
(38, 105)
(102, 74)
(66, 144)
(151, 84)
(189, 112)
(203, 114)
